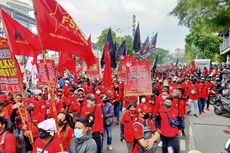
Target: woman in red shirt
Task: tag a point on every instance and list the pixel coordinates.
(66, 132)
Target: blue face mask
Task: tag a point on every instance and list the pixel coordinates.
(78, 133)
(168, 105)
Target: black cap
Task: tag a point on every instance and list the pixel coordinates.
(91, 97)
(132, 103)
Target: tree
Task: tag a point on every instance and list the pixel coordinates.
(212, 14)
(129, 41)
(102, 38)
(163, 57)
(202, 44)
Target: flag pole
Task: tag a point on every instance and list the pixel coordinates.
(53, 107)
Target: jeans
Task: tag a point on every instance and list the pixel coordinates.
(108, 130)
(129, 146)
(117, 106)
(201, 104)
(193, 106)
(97, 138)
(167, 142)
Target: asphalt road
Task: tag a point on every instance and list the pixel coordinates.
(204, 133)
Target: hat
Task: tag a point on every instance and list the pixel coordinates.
(48, 125)
(202, 78)
(67, 81)
(90, 97)
(103, 97)
(80, 89)
(142, 108)
(132, 103)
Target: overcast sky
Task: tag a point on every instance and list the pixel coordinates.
(92, 16)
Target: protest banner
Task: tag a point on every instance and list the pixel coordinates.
(138, 79)
(10, 80)
(125, 60)
(45, 79)
(94, 70)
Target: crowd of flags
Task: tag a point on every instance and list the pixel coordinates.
(57, 31)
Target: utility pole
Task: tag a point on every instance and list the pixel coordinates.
(134, 25)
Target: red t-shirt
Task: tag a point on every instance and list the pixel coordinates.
(53, 147)
(139, 131)
(167, 130)
(193, 91)
(66, 137)
(128, 121)
(180, 105)
(9, 143)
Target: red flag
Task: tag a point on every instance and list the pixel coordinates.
(21, 40)
(57, 29)
(67, 61)
(90, 58)
(107, 75)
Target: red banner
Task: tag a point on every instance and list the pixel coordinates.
(43, 78)
(94, 70)
(138, 79)
(126, 60)
(10, 79)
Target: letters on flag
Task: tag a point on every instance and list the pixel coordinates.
(138, 79)
(10, 75)
(45, 79)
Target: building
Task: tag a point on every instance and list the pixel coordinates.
(225, 45)
(21, 11)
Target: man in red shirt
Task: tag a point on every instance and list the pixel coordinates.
(127, 121)
(95, 116)
(180, 104)
(193, 97)
(145, 133)
(169, 130)
(47, 142)
(203, 90)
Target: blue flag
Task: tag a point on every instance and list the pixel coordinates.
(122, 50)
(137, 40)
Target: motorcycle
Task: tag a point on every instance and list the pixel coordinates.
(222, 106)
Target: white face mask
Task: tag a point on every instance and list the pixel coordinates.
(164, 97)
(143, 100)
(91, 103)
(98, 92)
(66, 84)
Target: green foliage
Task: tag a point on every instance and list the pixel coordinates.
(129, 41)
(204, 18)
(163, 56)
(102, 38)
(214, 14)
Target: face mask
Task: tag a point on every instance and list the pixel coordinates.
(43, 134)
(66, 84)
(91, 103)
(78, 133)
(168, 105)
(146, 116)
(80, 101)
(143, 100)
(193, 82)
(164, 97)
(98, 92)
(61, 123)
(202, 81)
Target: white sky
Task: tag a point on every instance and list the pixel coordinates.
(92, 16)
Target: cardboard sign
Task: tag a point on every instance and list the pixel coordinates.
(138, 79)
(10, 79)
(46, 73)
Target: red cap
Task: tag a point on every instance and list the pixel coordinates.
(3, 97)
(142, 108)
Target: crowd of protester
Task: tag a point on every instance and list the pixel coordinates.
(81, 113)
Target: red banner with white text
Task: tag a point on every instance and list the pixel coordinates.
(46, 73)
(94, 70)
(124, 61)
(138, 79)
